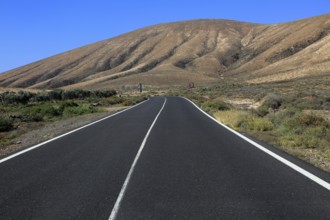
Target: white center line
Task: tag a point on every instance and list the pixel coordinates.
(116, 207)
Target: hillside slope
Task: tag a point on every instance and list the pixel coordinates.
(202, 51)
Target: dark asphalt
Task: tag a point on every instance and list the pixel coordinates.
(190, 168)
(78, 176)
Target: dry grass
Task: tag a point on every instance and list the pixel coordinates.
(3, 89)
(230, 118)
(240, 120)
(302, 134)
(321, 113)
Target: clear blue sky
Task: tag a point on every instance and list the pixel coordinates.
(31, 30)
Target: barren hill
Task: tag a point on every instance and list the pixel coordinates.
(201, 51)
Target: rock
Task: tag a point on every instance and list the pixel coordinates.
(96, 104)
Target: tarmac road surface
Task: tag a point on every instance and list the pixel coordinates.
(162, 159)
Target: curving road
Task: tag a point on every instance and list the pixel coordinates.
(158, 160)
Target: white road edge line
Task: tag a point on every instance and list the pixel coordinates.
(60, 136)
(272, 154)
(116, 207)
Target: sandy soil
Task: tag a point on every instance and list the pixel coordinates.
(244, 103)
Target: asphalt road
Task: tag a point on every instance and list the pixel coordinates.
(188, 167)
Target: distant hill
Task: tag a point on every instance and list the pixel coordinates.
(202, 51)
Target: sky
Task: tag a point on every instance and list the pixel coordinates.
(31, 30)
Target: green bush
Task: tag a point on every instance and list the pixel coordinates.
(312, 120)
(43, 111)
(83, 94)
(16, 98)
(272, 102)
(311, 102)
(37, 117)
(78, 110)
(75, 94)
(104, 93)
(6, 124)
(68, 104)
(55, 94)
(134, 100)
(262, 111)
(304, 140)
(327, 153)
(23, 97)
(115, 100)
(41, 97)
(297, 129)
(302, 121)
(215, 105)
(254, 123)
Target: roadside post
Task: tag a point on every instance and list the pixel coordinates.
(140, 87)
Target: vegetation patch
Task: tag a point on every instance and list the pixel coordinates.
(23, 111)
(133, 100)
(254, 123)
(6, 124)
(292, 115)
(24, 97)
(290, 129)
(212, 106)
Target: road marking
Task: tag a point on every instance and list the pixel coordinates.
(272, 154)
(121, 195)
(70, 132)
